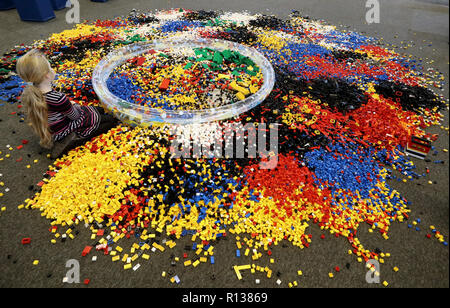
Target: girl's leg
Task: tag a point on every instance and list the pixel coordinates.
(107, 122)
(63, 146)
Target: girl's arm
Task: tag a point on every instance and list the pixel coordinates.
(66, 107)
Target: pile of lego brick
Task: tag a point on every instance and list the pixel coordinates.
(346, 109)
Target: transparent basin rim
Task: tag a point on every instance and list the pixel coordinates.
(144, 115)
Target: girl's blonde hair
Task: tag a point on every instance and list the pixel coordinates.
(33, 68)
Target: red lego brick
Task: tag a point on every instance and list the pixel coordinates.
(86, 250)
(164, 84)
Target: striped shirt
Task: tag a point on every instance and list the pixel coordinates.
(65, 118)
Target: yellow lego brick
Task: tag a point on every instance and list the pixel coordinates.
(203, 259)
(35, 262)
(223, 76)
(115, 258)
(239, 89)
(240, 96)
(127, 266)
(243, 267)
(159, 247)
(187, 263)
(146, 256)
(243, 83)
(253, 89)
(238, 274)
(196, 263)
(299, 273)
(171, 244)
(119, 249)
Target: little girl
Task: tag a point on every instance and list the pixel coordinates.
(59, 123)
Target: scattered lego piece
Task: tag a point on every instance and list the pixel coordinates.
(86, 250)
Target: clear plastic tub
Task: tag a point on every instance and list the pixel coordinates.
(137, 115)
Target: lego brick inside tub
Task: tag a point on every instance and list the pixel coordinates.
(35, 10)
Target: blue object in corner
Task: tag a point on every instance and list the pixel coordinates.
(34, 10)
(58, 4)
(6, 5)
